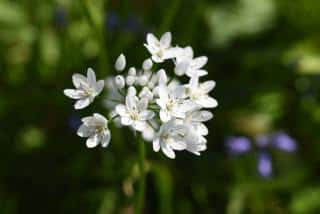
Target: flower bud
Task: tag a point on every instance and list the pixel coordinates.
(143, 80)
(130, 80)
(132, 91)
(147, 64)
(145, 92)
(120, 63)
(120, 82)
(132, 71)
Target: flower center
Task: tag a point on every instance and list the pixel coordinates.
(134, 115)
(169, 104)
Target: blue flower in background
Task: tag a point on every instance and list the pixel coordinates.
(112, 21)
(130, 24)
(279, 140)
(61, 16)
(74, 121)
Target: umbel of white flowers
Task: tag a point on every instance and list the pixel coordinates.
(165, 111)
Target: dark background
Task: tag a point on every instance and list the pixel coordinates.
(263, 54)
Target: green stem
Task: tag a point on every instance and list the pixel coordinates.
(169, 16)
(95, 11)
(142, 181)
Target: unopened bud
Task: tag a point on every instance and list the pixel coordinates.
(130, 80)
(120, 82)
(120, 63)
(147, 64)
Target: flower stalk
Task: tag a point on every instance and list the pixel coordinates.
(140, 197)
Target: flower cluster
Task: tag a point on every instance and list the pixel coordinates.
(278, 140)
(165, 111)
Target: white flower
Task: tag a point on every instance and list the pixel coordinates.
(171, 100)
(160, 49)
(95, 128)
(186, 64)
(195, 120)
(170, 137)
(196, 130)
(195, 143)
(198, 92)
(120, 63)
(87, 88)
(135, 112)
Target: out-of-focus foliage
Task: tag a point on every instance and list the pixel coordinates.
(263, 54)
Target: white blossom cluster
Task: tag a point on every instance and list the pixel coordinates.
(150, 100)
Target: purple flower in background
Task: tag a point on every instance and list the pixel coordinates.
(284, 142)
(278, 140)
(264, 164)
(238, 145)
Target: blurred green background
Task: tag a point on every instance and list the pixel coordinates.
(263, 54)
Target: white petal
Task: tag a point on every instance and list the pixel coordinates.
(164, 115)
(207, 102)
(165, 40)
(120, 63)
(194, 82)
(208, 86)
(157, 59)
(72, 93)
(100, 118)
(199, 73)
(106, 139)
(156, 144)
(188, 51)
(187, 106)
(152, 40)
(162, 77)
(84, 131)
(177, 145)
(202, 129)
(91, 77)
(168, 151)
(169, 53)
(139, 125)
(131, 102)
(146, 115)
(98, 87)
(121, 109)
(181, 68)
(201, 116)
(163, 94)
(143, 104)
(176, 112)
(92, 141)
(78, 79)
(178, 92)
(199, 62)
(127, 121)
(80, 104)
(161, 103)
